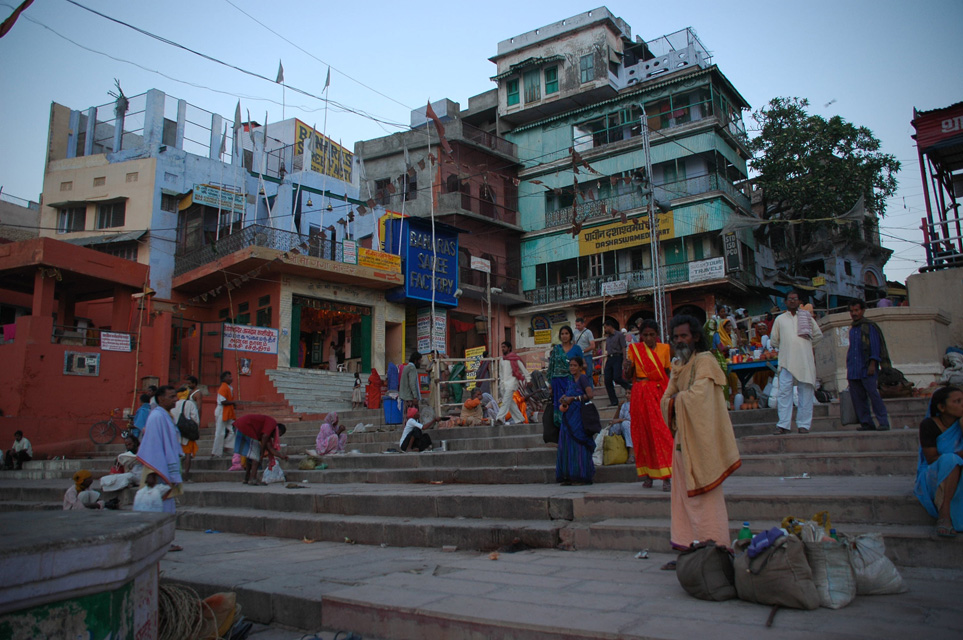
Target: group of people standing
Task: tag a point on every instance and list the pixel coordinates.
(679, 421)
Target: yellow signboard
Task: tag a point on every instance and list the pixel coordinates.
(327, 157)
(474, 356)
(379, 260)
(618, 235)
(819, 281)
(543, 336)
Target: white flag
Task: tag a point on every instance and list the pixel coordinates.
(280, 73)
(327, 81)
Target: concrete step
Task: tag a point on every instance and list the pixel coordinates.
(900, 440)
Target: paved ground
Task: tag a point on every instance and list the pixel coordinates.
(426, 593)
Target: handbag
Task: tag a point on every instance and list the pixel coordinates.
(550, 430)
(189, 428)
(705, 571)
(614, 450)
(591, 422)
(780, 575)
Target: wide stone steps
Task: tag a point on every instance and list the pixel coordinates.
(314, 391)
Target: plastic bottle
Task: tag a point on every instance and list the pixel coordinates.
(744, 533)
(832, 534)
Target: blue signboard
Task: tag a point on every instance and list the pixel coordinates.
(427, 263)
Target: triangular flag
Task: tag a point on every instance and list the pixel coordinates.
(327, 80)
(237, 116)
(440, 128)
(280, 78)
(223, 142)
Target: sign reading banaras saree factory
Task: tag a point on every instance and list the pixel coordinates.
(327, 157)
(619, 235)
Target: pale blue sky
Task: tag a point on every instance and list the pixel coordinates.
(874, 60)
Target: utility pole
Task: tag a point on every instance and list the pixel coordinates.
(658, 286)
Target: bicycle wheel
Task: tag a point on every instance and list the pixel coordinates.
(103, 432)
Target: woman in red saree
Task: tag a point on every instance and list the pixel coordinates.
(648, 360)
(373, 390)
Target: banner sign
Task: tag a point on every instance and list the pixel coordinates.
(938, 126)
(219, 198)
(711, 269)
(474, 356)
(81, 364)
(732, 251)
(379, 260)
(615, 288)
(114, 341)
(543, 336)
(618, 235)
(556, 317)
(238, 337)
(328, 305)
(349, 253)
(481, 264)
(327, 157)
(424, 331)
(428, 266)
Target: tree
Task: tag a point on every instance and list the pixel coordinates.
(812, 169)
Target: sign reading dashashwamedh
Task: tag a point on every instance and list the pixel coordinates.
(618, 235)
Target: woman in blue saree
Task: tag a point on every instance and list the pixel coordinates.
(941, 458)
(573, 465)
(558, 374)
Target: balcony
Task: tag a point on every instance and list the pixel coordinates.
(482, 138)
(641, 280)
(474, 278)
(463, 202)
(258, 236)
(667, 192)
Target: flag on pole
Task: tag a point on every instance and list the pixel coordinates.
(439, 128)
(223, 142)
(237, 116)
(327, 80)
(280, 78)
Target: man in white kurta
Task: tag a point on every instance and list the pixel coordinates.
(794, 333)
(511, 371)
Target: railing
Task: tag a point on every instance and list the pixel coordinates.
(635, 200)
(489, 140)
(258, 236)
(466, 202)
(592, 287)
(474, 278)
(593, 208)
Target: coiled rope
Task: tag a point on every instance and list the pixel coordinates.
(180, 612)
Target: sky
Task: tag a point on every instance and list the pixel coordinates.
(868, 61)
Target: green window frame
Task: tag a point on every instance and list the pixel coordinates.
(586, 68)
(512, 89)
(551, 80)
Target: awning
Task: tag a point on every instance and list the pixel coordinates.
(528, 62)
(83, 203)
(87, 241)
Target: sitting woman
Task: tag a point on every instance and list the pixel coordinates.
(414, 436)
(472, 413)
(573, 465)
(941, 457)
(332, 436)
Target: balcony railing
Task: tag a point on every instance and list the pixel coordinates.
(635, 200)
(452, 201)
(489, 140)
(642, 280)
(258, 236)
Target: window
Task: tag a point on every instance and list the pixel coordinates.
(125, 250)
(533, 86)
(264, 301)
(848, 267)
(72, 219)
(551, 80)
(132, 177)
(586, 68)
(100, 181)
(409, 183)
(67, 186)
(263, 317)
(222, 314)
(244, 307)
(111, 215)
(169, 203)
(512, 88)
(243, 318)
(382, 195)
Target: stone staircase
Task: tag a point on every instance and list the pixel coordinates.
(314, 391)
(496, 484)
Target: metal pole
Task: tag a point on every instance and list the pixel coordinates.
(658, 287)
(488, 282)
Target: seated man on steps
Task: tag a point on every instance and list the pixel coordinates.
(413, 436)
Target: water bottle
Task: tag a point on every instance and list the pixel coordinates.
(744, 533)
(832, 534)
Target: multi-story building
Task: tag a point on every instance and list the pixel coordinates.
(468, 184)
(573, 96)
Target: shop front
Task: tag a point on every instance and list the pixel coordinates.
(330, 335)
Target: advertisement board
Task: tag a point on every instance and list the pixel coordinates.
(327, 157)
(711, 269)
(424, 331)
(110, 341)
(430, 259)
(238, 337)
(219, 198)
(473, 356)
(379, 260)
(620, 235)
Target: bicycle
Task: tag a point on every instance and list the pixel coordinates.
(105, 431)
